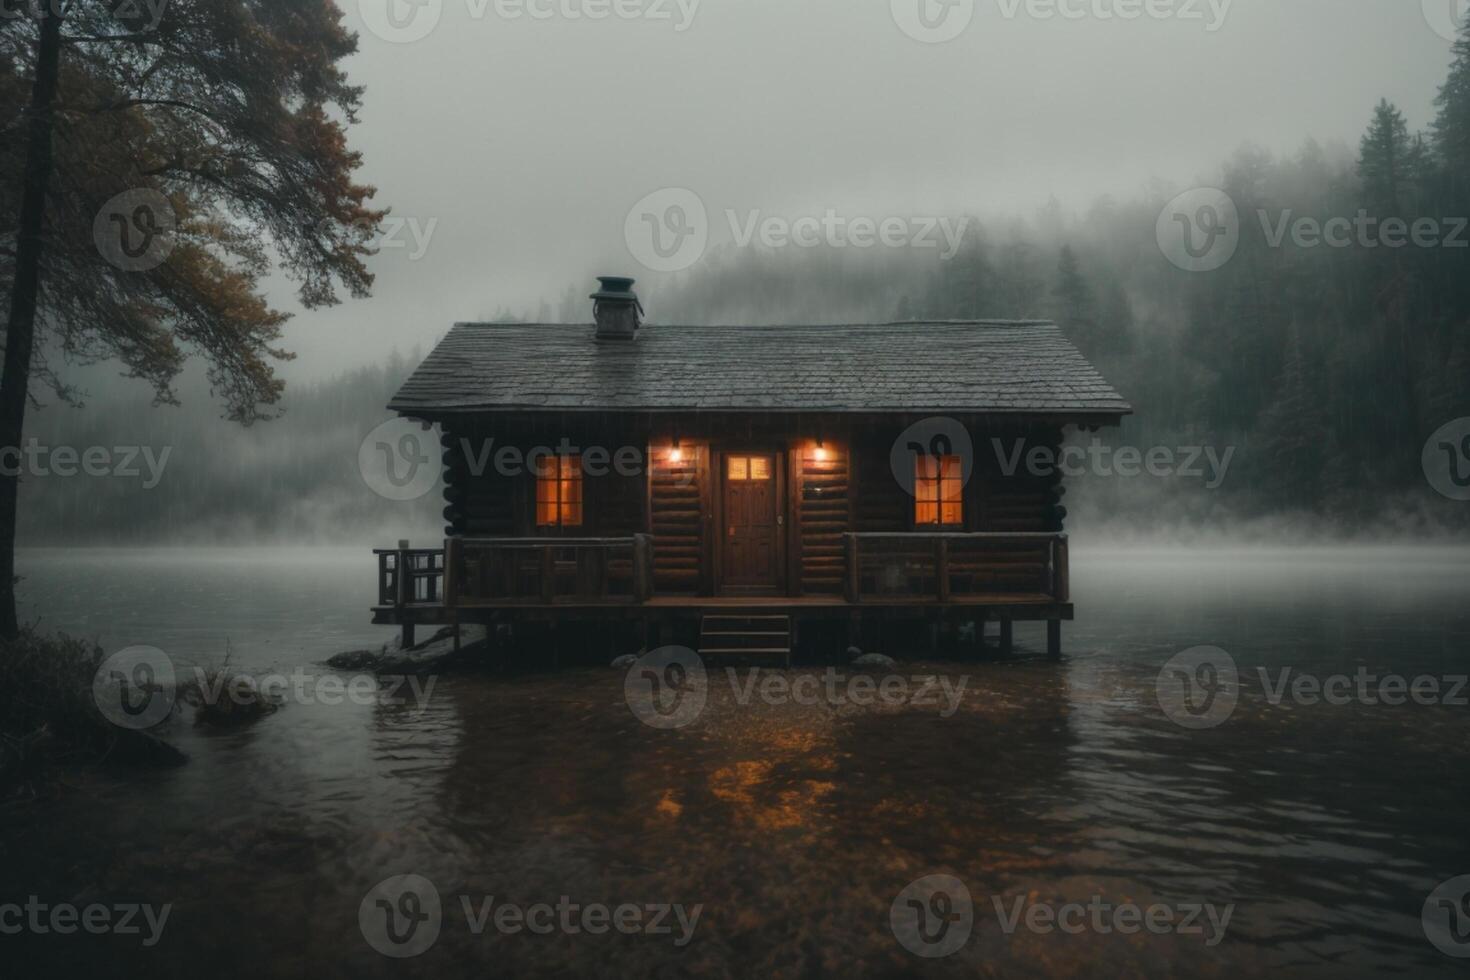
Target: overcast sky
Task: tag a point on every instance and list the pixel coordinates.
(517, 145)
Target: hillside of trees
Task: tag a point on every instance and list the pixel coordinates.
(292, 479)
(1325, 368)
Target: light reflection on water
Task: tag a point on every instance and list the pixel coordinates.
(794, 826)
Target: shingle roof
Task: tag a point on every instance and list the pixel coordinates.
(973, 366)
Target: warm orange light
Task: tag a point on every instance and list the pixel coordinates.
(676, 455)
(820, 454)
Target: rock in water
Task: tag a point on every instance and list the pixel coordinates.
(624, 662)
(437, 650)
(874, 660)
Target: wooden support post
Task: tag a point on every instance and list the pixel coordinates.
(941, 567)
(548, 574)
(451, 572)
(405, 574)
(854, 574)
(1062, 580)
(1007, 636)
(642, 570)
(1054, 638)
(406, 639)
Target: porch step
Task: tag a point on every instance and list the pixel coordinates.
(745, 636)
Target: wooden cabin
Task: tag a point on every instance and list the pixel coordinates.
(725, 486)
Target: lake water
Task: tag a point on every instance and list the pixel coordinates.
(795, 826)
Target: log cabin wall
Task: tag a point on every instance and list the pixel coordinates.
(678, 502)
(486, 499)
(846, 484)
(822, 511)
(1017, 501)
(994, 499)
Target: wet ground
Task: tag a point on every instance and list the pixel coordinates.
(795, 825)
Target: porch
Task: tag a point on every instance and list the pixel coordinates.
(930, 575)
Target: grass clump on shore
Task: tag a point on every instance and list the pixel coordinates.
(48, 715)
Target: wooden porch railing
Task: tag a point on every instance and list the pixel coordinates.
(518, 571)
(950, 566)
(880, 567)
(409, 576)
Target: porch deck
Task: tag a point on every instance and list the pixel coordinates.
(1003, 576)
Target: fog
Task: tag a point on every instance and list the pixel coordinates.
(518, 146)
(1027, 161)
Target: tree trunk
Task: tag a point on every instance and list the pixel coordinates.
(20, 333)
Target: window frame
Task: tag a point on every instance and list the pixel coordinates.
(562, 471)
(949, 470)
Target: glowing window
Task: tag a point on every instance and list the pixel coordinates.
(938, 491)
(559, 491)
(748, 467)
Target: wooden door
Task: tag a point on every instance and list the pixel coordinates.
(752, 528)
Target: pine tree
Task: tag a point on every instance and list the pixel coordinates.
(1294, 433)
(211, 136)
(1076, 309)
(1452, 126)
(1383, 159)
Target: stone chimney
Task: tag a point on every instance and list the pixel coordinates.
(616, 309)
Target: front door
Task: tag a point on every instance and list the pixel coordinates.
(752, 528)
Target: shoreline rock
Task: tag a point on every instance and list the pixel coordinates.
(435, 653)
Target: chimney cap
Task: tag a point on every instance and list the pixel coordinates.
(616, 288)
